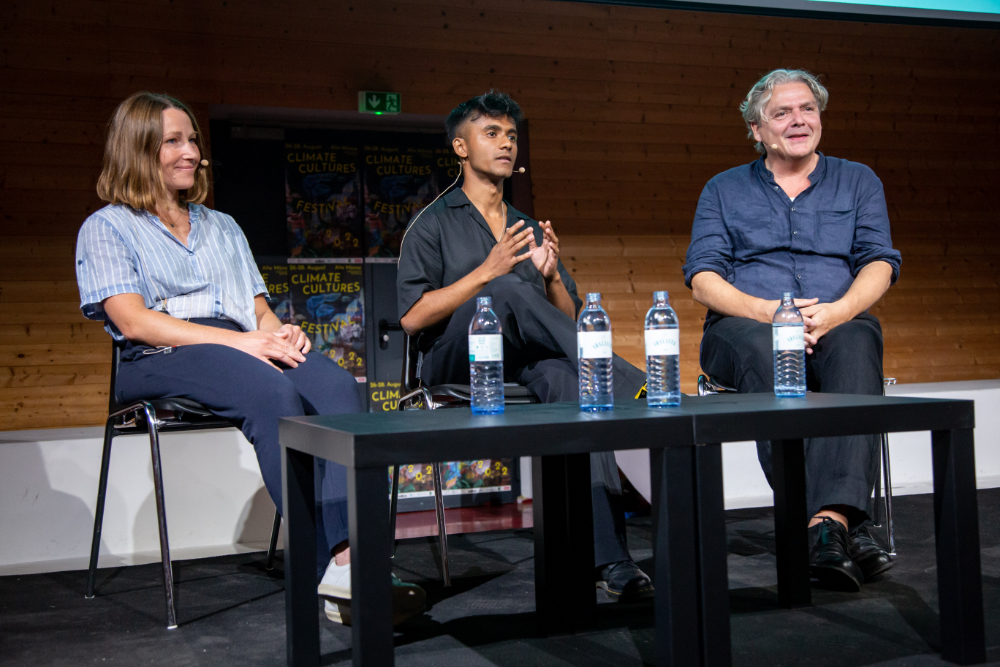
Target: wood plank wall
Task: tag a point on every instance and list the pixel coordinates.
(631, 110)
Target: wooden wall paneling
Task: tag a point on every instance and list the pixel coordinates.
(631, 109)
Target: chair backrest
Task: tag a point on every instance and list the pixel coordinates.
(116, 353)
(411, 358)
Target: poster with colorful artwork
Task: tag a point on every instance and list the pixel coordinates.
(275, 275)
(460, 478)
(399, 181)
(322, 196)
(327, 302)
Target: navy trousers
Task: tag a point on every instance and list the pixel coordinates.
(540, 353)
(253, 396)
(847, 360)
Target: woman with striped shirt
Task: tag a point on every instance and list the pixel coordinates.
(176, 281)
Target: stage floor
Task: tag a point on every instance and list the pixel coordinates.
(231, 611)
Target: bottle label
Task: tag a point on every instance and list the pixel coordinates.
(594, 344)
(663, 342)
(788, 338)
(488, 347)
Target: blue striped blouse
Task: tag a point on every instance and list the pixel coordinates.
(123, 251)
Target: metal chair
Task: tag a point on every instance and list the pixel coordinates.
(415, 396)
(708, 386)
(152, 417)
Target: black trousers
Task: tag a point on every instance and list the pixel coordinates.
(847, 360)
(253, 396)
(540, 353)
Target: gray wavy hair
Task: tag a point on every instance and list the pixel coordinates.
(760, 94)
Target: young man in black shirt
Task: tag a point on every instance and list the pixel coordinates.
(471, 243)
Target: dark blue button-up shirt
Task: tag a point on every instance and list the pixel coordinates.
(747, 230)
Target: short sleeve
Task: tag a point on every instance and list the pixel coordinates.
(104, 266)
(421, 267)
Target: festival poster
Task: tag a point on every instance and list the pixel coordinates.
(460, 478)
(399, 182)
(327, 302)
(275, 275)
(383, 396)
(322, 192)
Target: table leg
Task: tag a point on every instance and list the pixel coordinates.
(675, 550)
(564, 542)
(712, 556)
(956, 522)
(299, 501)
(371, 584)
(791, 536)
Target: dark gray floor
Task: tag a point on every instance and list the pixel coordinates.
(232, 611)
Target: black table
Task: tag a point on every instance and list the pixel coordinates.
(786, 421)
(559, 437)
(692, 604)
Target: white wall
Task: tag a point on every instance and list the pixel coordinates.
(910, 453)
(216, 502)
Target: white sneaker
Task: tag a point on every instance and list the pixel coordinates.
(335, 588)
(336, 581)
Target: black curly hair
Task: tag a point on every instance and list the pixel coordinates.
(492, 103)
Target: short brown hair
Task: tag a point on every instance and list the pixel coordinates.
(131, 173)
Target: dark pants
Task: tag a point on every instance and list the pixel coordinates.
(253, 396)
(847, 360)
(540, 353)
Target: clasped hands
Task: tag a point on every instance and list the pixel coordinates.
(819, 318)
(289, 345)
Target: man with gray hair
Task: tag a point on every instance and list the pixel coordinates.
(797, 221)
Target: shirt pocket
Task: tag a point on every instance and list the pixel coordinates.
(835, 232)
(755, 229)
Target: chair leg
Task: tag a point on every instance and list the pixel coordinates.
(393, 505)
(442, 532)
(877, 494)
(887, 473)
(161, 516)
(275, 527)
(102, 490)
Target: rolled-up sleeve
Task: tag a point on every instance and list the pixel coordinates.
(421, 267)
(872, 239)
(711, 248)
(104, 266)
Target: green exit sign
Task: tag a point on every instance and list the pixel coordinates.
(378, 103)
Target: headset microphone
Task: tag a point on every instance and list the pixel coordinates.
(204, 163)
(774, 147)
(520, 170)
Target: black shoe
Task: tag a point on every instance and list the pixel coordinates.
(625, 582)
(829, 561)
(867, 553)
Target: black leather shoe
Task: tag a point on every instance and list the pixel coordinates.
(867, 553)
(625, 582)
(829, 561)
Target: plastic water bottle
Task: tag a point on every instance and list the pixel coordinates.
(593, 339)
(663, 349)
(788, 335)
(486, 359)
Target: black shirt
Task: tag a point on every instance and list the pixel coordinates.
(449, 240)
